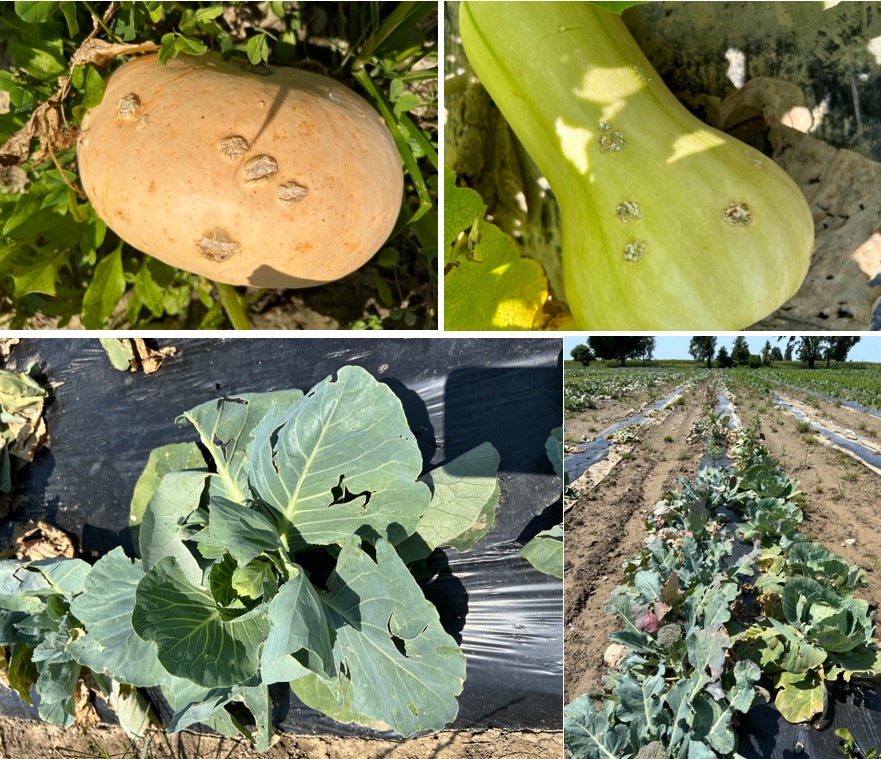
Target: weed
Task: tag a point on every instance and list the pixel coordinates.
(668, 438)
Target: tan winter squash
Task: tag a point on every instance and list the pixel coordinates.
(271, 177)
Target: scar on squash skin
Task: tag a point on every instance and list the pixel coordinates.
(217, 246)
(737, 214)
(290, 193)
(259, 169)
(611, 140)
(635, 250)
(128, 107)
(143, 122)
(233, 147)
(627, 210)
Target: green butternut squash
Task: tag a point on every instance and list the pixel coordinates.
(668, 224)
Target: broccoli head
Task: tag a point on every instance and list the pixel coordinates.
(669, 635)
(653, 750)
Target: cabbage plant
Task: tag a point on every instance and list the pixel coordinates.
(280, 548)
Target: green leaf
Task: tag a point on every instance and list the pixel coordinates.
(56, 687)
(35, 12)
(678, 698)
(161, 534)
(25, 208)
(190, 46)
(40, 276)
(94, 87)
(167, 47)
(257, 49)
(120, 351)
(69, 12)
(464, 497)
(713, 724)
(220, 580)
(554, 449)
(494, 288)
(617, 7)
(801, 696)
(104, 291)
(151, 294)
(299, 640)
(588, 734)
(401, 668)
(545, 551)
(193, 638)
(22, 672)
(174, 457)
(256, 698)
(226, 426)
(640, 703)
(132, 709)
(242, 531)
(462, 208)
(255, 580)
(345, 437)
(65, 576)
(110, 645)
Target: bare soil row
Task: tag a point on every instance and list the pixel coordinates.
(24, 739)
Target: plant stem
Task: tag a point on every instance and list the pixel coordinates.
(232, 305)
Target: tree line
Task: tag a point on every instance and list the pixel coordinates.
(809, 350)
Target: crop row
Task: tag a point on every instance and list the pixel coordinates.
(582, 386)
(860, 385)
(724, 593)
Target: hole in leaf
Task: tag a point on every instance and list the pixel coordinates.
(399, 643)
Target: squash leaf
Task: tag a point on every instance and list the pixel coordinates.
(493, 288)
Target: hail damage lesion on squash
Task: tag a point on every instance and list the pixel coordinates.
(260, 169)
(635, 250)
(290, 193)
(128, 106)
(611, 139)
(234, 147)
(217, 246)
(737, 214)
(628, 210)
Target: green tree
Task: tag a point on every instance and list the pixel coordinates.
(776, 353)
(837, 348)
(703, 349)
(740, 351)
(766, 353)
(723, 360)
(809, 350)
(787, 356)
(582, 354)
(648, 350)
(620, 348)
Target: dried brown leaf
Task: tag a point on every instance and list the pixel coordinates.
(40, 540)
(99, 52)
(151, 358)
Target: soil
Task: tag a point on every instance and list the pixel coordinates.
(605, 522)
(24, 739)
(585, 425)
(605, 526)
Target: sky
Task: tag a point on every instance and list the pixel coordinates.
(676, 346)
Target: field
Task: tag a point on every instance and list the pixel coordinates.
(610, 528)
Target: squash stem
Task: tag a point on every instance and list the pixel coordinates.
(407, 156)
(232, 305)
